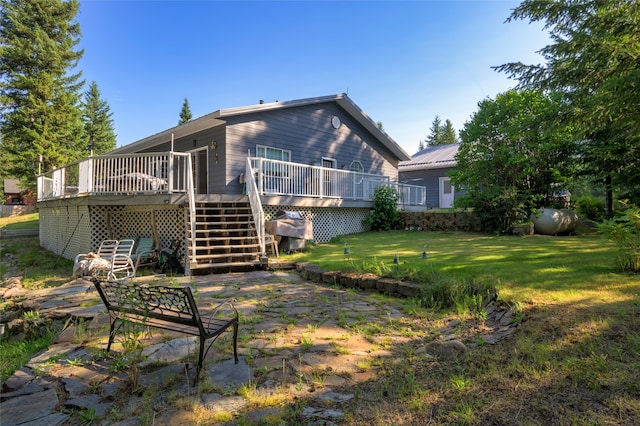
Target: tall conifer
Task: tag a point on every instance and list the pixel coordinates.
(39, 94)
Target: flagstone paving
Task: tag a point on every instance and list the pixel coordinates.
(305, 339)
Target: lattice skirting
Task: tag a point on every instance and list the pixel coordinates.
(70, 230)
(327, 222)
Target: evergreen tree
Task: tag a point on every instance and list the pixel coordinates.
(435, 136)
(441, 134)
(185, 113)
(448, 133)
(593, 58)
(421, 145)
(98, 124)
(39, 106)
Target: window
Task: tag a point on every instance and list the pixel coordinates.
(356, 166)
(273, 153)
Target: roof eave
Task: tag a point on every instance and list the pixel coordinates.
(199, 124)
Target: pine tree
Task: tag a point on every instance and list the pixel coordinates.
(40, 112)
(448, 133)
(421, 145)
(98, 124)
(185, 113)
(441, 134)
(435, 136)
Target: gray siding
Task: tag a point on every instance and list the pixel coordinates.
(307, 132)
(431, 180)
(216, 171)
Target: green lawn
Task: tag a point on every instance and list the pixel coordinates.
(527, 268)
(27, 221)
(574, 360)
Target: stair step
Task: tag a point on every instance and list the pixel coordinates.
(229, 248)
(240, 239)
(236, 222)
(224, 216)
(226, 256)
(224, 236)
(222, 265)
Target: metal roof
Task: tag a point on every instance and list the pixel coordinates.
(216, 118)
(432, 157)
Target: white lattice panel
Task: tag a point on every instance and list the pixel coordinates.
(327, 222)
(65, 231)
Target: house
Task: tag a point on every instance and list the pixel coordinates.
(14, 195)
(213, 183)
(429, 168)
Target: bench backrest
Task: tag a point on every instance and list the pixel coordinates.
(172, 304)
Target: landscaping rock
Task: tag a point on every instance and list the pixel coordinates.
(349, 280)
(387, 286)
(448, 351)
(331, 277)
(40, 406)
(409, 289)
(368, 281)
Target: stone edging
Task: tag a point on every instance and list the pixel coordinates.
(366, 282)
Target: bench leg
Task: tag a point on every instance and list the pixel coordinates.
(112, 333)
(235, 341)
(200, 360)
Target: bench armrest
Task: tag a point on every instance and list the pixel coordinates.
(212, 315)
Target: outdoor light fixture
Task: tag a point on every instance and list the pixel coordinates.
(424, 252)
(396, 259)
(346, 249)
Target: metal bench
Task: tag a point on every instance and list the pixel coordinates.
(168, 308)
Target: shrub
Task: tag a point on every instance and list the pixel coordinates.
(590, 207)
(385, 215)
(624, 229)
(498, 209)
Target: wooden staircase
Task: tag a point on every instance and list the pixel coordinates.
(225, 238)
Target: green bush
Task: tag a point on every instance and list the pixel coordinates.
(385, 215)
(498, 209)
(624, 230)
(590, 207)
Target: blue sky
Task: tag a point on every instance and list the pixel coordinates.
(403, 63)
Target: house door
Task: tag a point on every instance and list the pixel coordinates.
(327, 179)
(447, 192)
(200, 171)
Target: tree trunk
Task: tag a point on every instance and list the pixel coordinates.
(608, 197)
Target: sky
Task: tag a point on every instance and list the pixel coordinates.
(402, 63)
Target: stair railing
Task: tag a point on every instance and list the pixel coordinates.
(192, 210)
(256, 204)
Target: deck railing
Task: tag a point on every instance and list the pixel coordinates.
(275, 177)
(154, 173)
(169, 172)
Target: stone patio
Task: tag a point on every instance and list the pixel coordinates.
(309, 341)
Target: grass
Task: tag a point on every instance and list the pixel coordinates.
(27, 221)
(574, 360)
(14, 355)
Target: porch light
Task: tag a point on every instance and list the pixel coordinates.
(424, 252)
